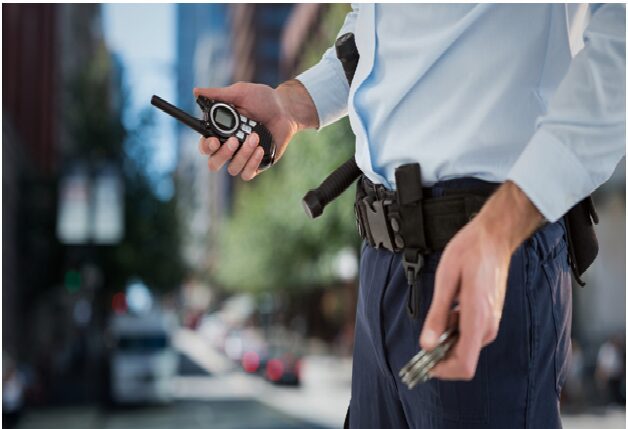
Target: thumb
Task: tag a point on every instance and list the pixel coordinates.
(445, 288)
(228, 94)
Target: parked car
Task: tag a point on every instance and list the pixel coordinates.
(241, 341)
(283, 366)
(255, 356)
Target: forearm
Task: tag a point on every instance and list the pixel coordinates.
(298, 103)
(509, 216)
(582, 136)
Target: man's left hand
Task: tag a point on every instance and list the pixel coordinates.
(473, 272)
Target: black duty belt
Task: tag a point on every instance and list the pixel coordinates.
(413, 221)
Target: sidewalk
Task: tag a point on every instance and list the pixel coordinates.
(607, 419)
(322, 398)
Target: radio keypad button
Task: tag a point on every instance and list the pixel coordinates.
(246, 129)
(240, 135)
(243, 118)
(252, 123)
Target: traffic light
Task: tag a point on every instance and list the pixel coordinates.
(72, 281)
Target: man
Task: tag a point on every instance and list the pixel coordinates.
(508, 94)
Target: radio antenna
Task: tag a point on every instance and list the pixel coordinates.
(175, 112)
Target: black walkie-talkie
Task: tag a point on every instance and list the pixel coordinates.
(222, 121)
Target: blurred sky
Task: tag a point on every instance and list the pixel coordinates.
(143, 36)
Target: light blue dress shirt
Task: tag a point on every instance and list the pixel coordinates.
(531, 93)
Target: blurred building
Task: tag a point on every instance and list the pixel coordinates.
(203, 49)
(256, 32)
(217, 44)
(302, 27)
(44, 48)
(79, 33)
(30, 141)
(204, 59)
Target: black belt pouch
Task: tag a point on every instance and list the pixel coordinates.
(581, 238)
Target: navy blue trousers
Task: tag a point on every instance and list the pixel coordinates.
(519, 376)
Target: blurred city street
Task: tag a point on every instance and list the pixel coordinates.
(142, 289)
(213, 393)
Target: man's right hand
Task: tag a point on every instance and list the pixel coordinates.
(284, 111)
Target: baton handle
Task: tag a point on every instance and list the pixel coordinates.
(341, 178)
(335, 184)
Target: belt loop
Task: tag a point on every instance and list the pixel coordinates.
(471, 206)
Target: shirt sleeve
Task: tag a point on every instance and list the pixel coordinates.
(326, 81)
(582, 137)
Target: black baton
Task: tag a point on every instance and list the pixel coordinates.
(341, 178)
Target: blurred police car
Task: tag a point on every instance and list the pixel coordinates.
(143, 362)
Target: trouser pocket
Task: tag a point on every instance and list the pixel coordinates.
(550, 296)
(557, 275)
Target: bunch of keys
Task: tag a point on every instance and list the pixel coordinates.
(417, 370)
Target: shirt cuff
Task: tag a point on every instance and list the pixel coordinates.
(551, 175)
(328, 87)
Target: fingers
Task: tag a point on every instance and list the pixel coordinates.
(445, 288)
(231, 94)
(463, 360)
(222, 155)
(207, 146)
(252, 165)
(243, 155)
(491, 332)
(246, 162)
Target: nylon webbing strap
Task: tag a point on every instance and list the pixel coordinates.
(410, 202)
(442, 218)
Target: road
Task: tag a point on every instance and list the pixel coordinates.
(215, 414)
(212, 393)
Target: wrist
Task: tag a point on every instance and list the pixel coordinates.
(510, 216)
(297, 105)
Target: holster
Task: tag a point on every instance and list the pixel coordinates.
(581, 239)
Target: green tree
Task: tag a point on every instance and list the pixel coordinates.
(269, 243)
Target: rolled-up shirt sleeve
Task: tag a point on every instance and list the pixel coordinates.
(326, 81)
(582, 137)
